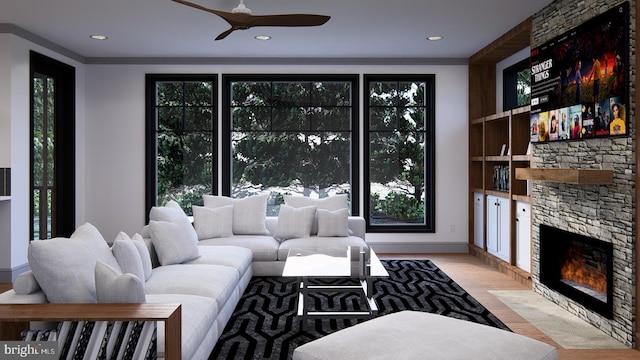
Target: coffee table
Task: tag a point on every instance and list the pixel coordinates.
(360, 265)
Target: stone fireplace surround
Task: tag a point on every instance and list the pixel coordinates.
(605, 212)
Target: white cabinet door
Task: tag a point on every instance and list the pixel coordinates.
(504, 229)
(478, 219)
(498, 229)
(523, 236)
(492, 224)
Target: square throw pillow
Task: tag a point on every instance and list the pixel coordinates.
(249, 214)
(333, 223)
(294, 222)
(168, 212)
(331, 203)
(128, 258)
(213, 223)
(64, 267)
(143, 251)
(175, 241)
(113, 287)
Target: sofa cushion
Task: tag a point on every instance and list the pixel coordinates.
(329, 203)
(113, 287)
(128, 258)
(294, 222)
(233, 256)
(264, 248)
(248, 213)
(198, 315)
(174, 241)
(64, 267)
(26, 283)
(333, 223)
(215, 281)
(213, 223)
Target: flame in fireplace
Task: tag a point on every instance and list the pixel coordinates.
(576, 269)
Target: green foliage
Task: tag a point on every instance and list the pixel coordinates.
(399, 206)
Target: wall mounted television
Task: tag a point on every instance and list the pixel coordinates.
(579, 81)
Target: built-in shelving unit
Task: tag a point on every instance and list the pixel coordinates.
(567, 176)
(5, 198)
(498, 144)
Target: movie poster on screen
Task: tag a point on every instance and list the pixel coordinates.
(579, 86)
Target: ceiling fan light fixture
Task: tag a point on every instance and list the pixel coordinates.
(434, 38)
(263, 37)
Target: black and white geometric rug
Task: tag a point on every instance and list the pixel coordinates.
(264, 325)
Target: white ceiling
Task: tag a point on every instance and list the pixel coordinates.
(357, 29)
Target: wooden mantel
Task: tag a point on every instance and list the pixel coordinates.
(567, 176)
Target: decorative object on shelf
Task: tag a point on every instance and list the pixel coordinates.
(503, 150)
(501, 177)
(560, 109)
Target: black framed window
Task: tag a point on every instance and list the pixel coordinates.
(400, 153)
(290, 134)
(181, 139)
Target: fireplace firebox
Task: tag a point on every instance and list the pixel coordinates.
(578, 267)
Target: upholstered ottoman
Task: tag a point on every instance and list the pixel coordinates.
(420, 335)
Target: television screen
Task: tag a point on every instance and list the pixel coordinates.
(579, 80)
(517, 85)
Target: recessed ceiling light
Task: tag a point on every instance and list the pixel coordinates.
(263, 37)
(435, 38)
(99, 37)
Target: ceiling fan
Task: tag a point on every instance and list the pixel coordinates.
(240, 18)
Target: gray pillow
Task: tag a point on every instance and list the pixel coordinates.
(174, 241)
(64, 267)
(333, 223)
(213, 223)
(128, 258)
(249, 214)
(114, 287)
(25, 283)
(143, 251)
(331, 203)
(294, 222)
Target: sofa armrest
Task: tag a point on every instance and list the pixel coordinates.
(358, 226)
(16, 317)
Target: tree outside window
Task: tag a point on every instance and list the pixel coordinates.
(400, 152)
(290, 136)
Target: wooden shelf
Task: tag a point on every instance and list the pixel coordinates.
(567, 176)
(16, 317)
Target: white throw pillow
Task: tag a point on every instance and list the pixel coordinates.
(168, 212)
(213, 223)
(143, 250)
(333, 223)
(64, 267)
(174, 241)
(114, 287)
(331, 203)
(128, 258)
(294, 222)
(249, 214)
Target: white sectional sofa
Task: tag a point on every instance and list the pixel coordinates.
(205, 266)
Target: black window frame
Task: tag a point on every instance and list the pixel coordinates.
(430, 154)
(151, 169)
(227, 130)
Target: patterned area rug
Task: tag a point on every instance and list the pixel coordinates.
(264, 324)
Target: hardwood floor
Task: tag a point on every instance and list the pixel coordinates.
(478, 278)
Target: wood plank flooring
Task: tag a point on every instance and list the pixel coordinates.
(478, 278)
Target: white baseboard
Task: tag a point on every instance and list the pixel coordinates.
(9, 275)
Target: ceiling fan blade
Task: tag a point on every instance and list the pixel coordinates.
(287, 20)
(225, 34)
(222, 14)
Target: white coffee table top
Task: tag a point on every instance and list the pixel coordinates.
(330, 262)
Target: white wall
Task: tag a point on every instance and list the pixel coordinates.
(115, 140)
(14, 120)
